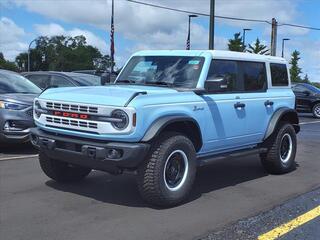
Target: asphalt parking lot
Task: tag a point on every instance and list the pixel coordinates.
(227, 197)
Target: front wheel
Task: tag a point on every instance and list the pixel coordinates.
(316, 110)
(62, 171)
(168, 174)
(282, 147)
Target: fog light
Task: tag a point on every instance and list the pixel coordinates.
(12, 126)
(114, 154)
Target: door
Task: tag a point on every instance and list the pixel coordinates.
(226, 125)
(303, 100)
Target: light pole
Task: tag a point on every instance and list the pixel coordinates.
(283, 40)
(29, 54)
(211, 25)
(188, 37)
(244, 37)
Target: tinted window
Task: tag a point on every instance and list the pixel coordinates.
(176, 71)
(300, 89)
(222, 76)
(254, 76)
(42, 81)
(86, 79)
(14, 83)
(279, 74)
(60, 81)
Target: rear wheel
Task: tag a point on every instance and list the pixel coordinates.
(62, 171)
(316, 110)
(168, 174)
(282, 147)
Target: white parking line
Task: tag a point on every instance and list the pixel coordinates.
(19, 157)
(303, 123)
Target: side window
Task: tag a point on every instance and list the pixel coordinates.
(300, 89)
(279, 74)
(42, 81)
(60, 81)
(254, 76)
(222, 76)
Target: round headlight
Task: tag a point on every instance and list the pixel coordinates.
(123, 119)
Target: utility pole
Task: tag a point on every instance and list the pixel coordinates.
(211, 30)
(274, 37)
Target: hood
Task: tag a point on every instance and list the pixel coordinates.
(115, 95)
(22, 98)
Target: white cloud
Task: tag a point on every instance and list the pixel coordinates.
(54, 29)
(10, 41)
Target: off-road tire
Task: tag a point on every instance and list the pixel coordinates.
(151, 178)
(315, 110)
(271, 160)
(62, 171)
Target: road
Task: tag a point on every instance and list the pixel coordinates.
(109, 207)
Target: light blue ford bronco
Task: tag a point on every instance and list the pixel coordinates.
(168, 113)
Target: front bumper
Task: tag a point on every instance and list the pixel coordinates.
(22, 120)
(90, 153)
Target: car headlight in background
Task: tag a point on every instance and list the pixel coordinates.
(12, 105)
(123, 119)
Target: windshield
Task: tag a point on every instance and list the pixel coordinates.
(14, 83)
(173, 71)
(86, 79)
(313, 88)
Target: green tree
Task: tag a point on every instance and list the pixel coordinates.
(306, 79)
(5, 64)
(236, 44)
(258, 48)
(60, 53)
(295, 70)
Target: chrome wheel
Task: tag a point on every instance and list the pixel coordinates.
(285, 148)
(175, 170)
(316, 111)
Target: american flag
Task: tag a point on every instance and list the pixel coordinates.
(112, 36)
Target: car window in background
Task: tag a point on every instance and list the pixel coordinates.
(85, 79)
(15, 83)
(300, 89)
(42, 81)
(60, 81)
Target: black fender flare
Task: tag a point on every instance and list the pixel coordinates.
(158, 125)
(278, 115)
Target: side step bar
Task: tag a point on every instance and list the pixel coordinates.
(207, 160)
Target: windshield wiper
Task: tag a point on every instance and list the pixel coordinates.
(160, 83)
(125, 81)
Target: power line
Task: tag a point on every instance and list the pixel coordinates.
(221, 17)
(197, 13)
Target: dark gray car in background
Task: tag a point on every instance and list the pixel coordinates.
(16, 101)
(47, 79)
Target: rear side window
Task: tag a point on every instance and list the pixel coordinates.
(279, 74)
(254, 76)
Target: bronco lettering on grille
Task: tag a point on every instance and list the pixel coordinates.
(70, 115)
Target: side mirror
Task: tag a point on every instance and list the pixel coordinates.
(216, 84)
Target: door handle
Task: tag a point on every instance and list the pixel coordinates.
(268, 103)
(239, 105)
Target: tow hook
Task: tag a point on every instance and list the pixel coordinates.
(93, 152)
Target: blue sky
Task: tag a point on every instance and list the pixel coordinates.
(140, 27)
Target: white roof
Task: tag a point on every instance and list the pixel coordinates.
(221, 54)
